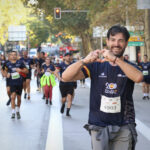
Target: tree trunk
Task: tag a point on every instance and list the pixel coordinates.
(147, 32)
(86, 44)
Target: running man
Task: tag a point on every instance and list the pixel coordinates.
(29, 65)
(66, 88)
(4, 68)
(112, 116)
(15, 67)
(145, 67)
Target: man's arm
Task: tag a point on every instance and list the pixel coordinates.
(74, 72)
(130, 71)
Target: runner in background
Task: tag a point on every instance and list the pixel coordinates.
(40, 62)
(29, 65)
(3, 70)
(15, 67)
(48, 79)
(66, 88)
(145, 67)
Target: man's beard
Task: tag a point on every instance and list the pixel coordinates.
(121, 53)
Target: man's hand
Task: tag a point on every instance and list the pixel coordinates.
(108, 56)
(93, 57)
(18, 70)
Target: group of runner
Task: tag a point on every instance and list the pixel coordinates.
(18, 72)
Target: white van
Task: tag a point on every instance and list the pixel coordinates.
(33, 52)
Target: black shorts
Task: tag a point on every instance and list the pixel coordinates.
(16, 88)
(146, 79)
(7, 82)
(66, 89)
(28, 76)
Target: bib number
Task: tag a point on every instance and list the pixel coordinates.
(110, 105)
(145, 73)
(15, 75)
(27, 66)
(47, 73)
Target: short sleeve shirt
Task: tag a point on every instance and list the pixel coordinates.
(109, 81)
(15, 78)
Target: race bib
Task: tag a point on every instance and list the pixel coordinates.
(145, 73)
(15, 75)
(27, 66)
(110, 105)
(47, 73)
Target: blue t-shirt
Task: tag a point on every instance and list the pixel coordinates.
(145, 67)
(28, 63)
(109, 81)
(45, 67)
(15, 78)
(62, 67)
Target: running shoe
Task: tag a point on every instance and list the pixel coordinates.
(8, 103)
(18, 115)
(25, 95)
(147, 97)
(13, 116)
(50, 102)
(144, 97)
(62, 108)
(43, 97)
(46, 102)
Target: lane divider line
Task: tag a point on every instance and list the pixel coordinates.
(55, 129)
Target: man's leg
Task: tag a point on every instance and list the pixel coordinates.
(69, 103)
(28, 87)
(147, 91)
(123, 140)
(13, 97)
(102, 144)
(9, 95)
(144, 90)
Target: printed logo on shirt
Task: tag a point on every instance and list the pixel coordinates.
(121, 75)
(111, 88)
(102, 75)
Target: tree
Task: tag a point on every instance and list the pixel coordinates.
(12, 13)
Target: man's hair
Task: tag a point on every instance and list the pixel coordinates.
(43, 53)
(118, 29)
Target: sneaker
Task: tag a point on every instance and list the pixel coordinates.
(18, 115)
(13, 116)
(43, 97)
(147, 97)
(46, 102)
(62, 108)
(50, 102)
(25, 95)
(8, 103)
(144, 97)
(68, 115)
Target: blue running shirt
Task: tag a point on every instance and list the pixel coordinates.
(111, 82)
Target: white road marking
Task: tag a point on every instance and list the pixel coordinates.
(143, 129)
(55, 130)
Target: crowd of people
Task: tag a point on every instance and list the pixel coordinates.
(111, 114)
(17, 70)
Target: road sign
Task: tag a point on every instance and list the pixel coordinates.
(143, 4)
(17, 33)
(135, 43)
